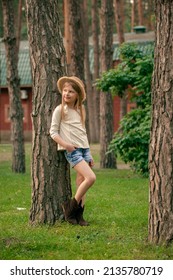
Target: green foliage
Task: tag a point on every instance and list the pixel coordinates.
(132, 141)
(143, 74)
(116, 80)
(128, 72)
(129, 52)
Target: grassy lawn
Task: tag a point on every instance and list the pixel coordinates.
(116, 207)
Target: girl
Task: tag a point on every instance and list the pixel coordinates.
(68, 131)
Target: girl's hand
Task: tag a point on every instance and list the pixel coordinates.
(91, 163)
(70, 148)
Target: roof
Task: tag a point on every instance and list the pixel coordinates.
(24, 68)
(145, 42)
(145, 47)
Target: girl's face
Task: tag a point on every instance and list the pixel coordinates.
(69, 95)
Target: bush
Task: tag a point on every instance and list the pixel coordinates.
(134, 74)
(116, 80)
(132, 141)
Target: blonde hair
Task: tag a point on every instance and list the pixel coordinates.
(78, 104)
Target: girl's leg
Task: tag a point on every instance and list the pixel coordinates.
(83, 169)
(79, 213)
(73, 210)
(79, 180)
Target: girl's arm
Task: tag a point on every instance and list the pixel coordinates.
(55, 128)
(60, 141)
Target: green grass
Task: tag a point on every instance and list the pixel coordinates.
(116, 207)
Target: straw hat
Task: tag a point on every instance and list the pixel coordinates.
(65, 79)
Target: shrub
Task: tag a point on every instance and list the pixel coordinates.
(134, 74)
(131, 142)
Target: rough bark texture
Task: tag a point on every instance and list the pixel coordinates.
(19, 25)
(13, 81)
(77, 45)
(119, 21)
(106, 101)
(50, 171)
(161, 141)
(140, 13)
(96, 95)
(67, 35)
(77, 39)
(90, 103)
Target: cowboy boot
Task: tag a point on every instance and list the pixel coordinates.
(79, 216)
(69, 208)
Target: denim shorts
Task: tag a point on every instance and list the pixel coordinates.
(78, 155)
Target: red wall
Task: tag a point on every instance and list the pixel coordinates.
(4, 110)
(27, 106)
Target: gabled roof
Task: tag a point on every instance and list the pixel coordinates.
(146, 44)
(24, 68)
(147, 47)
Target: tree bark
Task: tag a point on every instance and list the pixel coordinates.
(77, 39)
(107, 160)
(19, 25)
(161, 140)
(140, 13)
(132, 15)
(123, 105)
(67, 35)
(13, 81)
(121, 39)
(119, 21)
(150, 21)
(90, 100)
(50, 170)
(96, 94)
(77, 46)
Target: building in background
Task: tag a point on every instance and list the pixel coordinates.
(145, 41)
(26, 94)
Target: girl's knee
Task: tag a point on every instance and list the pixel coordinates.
(92, 179)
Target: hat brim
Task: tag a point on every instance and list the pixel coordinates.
(65, 79)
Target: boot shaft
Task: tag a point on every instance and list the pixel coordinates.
(70, 208)
(79, 216)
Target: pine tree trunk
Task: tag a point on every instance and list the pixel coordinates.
(123, 105)
(77, 45)
(96, 94)
(77, 39)
(16, 111)
(67, 35)
(50, 171)
(140, 13)
(106, 101)
(90, 101)
(121, 38)
(150, 21)
(119, 21)
(161, 140)
(19, 25)
(132, 15)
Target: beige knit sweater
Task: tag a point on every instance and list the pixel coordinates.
(70, 129)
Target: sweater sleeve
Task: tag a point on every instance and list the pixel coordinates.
(55, 123)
